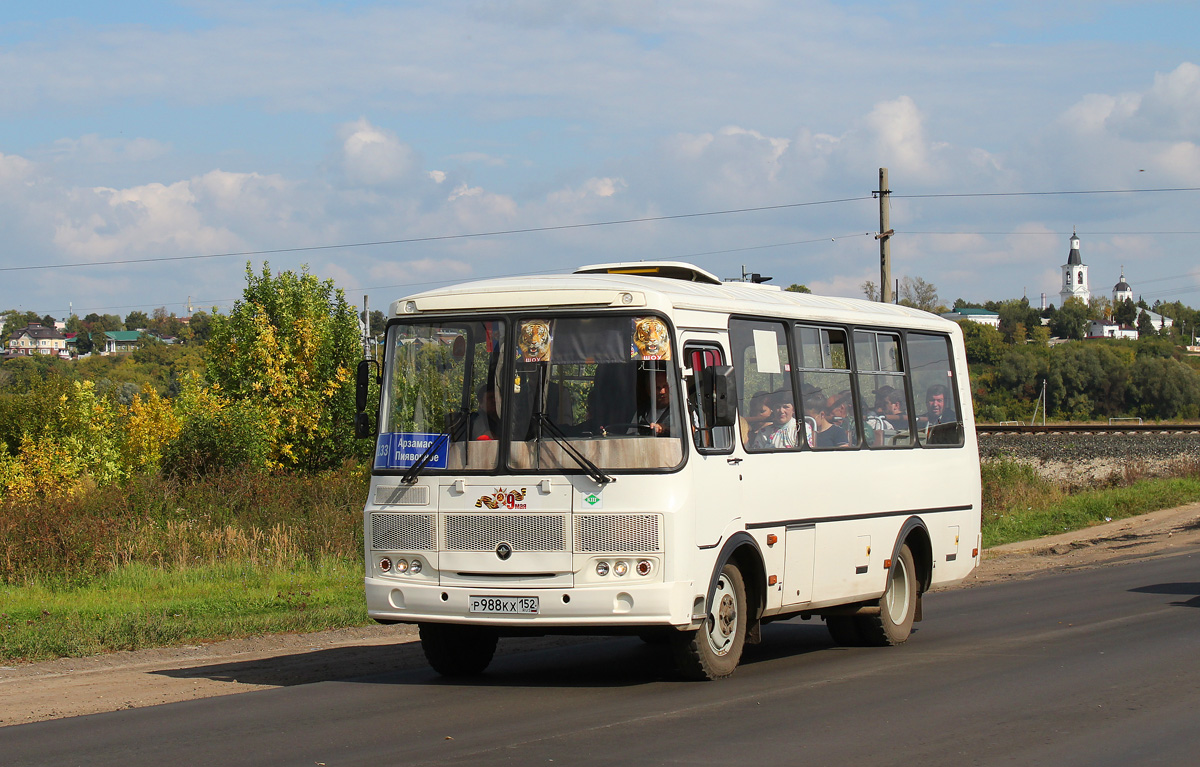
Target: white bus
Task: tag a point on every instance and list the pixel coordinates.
(641, 448)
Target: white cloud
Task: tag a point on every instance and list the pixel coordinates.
(371, 156)
(897, 133)
(590, 189)
(150, 219)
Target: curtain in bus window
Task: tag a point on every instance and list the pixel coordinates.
(933, 382)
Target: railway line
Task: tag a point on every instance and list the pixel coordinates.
(1086, 428)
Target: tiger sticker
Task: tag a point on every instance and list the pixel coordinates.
(650, 339)
(534, 341)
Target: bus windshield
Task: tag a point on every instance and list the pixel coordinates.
(601, 388)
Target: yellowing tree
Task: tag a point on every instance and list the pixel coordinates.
(290, 346)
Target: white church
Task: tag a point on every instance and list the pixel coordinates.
(1075, 285)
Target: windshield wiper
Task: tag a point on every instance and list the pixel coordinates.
(410, 476)
(556, 434)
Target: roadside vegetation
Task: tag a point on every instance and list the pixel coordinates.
(1019, 505)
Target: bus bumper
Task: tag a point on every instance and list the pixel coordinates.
(648, 604)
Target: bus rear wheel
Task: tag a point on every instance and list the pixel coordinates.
(457, 650)
(714, 650)
(897, 606)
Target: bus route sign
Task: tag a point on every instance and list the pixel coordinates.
(400, 450)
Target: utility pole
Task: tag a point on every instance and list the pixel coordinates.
(884, 237)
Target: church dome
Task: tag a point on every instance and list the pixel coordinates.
(1073, 258)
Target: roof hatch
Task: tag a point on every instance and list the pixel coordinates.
(671, 270)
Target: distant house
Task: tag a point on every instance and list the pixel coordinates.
(982, 316)
(121, 341)
(37, 339)
(1102, 329)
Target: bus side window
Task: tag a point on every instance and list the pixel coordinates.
(763, 361)
(882, 388)
(707, 440)
(934, 390)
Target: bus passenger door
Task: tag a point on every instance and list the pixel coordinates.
(713, 467)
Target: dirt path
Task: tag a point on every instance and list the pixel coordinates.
(78, 686)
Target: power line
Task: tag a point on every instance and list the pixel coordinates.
(435, 238)
(1045, 194)
(210, 302)
(1040, 234)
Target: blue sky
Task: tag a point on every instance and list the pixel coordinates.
(151, 130)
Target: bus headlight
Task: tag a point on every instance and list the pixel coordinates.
(644, 567)
(385, 564)
(401, 566)
(602, 568)
(414, 567)
(621, 568)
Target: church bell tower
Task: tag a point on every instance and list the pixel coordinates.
(1074, 279)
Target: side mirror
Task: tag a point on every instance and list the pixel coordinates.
(717, 389)
(363, 428)
(362, 385)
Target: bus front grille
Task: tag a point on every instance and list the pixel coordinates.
(402, 532)
(523, 532)
(617, 533)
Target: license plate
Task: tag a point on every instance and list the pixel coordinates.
(505, 605)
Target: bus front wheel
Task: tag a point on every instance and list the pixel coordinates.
(897, 606)
(457, 650)
(714, 650)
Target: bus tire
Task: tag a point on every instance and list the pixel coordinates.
(457, 650)
(897, 606)
(844, 630)
(714, 650)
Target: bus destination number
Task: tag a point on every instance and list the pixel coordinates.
(511, 605)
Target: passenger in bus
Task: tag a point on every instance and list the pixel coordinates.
(757, 419)
(937, 402)
(828, 433)
(781, 433)
(894, 413)
(881, 396)
(841, 409)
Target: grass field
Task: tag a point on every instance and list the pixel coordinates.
(140, 605)
(163, 564)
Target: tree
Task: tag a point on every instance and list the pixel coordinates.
(1071, 320)
(1145, 326)
(870, 290)
(918, 294)
(201, 326)
(136, 320)
(984, 343)
(289, 345)
(1016, 313)
(1125, 313)
(797, 288)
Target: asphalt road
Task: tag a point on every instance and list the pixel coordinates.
(1094, 667)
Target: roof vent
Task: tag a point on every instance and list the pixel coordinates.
(671, 270)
